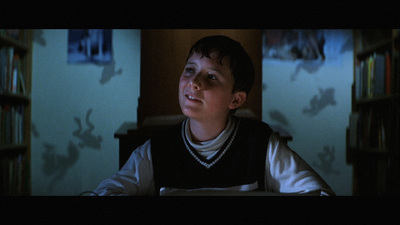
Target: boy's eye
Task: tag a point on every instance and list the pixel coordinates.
(212, 77)
(189, 70)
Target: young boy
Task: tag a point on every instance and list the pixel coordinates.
(213, 150)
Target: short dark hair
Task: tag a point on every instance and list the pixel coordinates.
(239, 61)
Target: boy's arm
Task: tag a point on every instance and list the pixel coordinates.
(287, 172)
(134, 178)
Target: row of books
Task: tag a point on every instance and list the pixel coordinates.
(11, 74)
(11, 124)
(373, 76)
(13, 177)
(369, 130)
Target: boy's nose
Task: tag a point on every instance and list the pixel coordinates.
(196, 83)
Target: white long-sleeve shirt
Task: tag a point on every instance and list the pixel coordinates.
(285, 171)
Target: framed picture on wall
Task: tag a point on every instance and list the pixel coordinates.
(89, 46)
(293, 44)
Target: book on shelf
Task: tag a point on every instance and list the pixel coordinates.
(373, 76)
(370, 77)
(11, 76)
(353, 130)
(382, 177)
(366, 120)
(18, 85)
(382, 135)
(388, 74)
(364, 79)
(396, 75)
(9, 66)
(11, 124)
(379, 74)
(5, 60)
(12, 175)
(357, 80)
(21, 81)
(6, 57)
(368, 130)
(14, 74)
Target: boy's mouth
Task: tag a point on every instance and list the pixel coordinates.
(190, 97)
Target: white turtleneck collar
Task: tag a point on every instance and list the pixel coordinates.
(208, 149)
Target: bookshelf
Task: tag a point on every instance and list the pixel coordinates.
(373, 131)
(15, 111)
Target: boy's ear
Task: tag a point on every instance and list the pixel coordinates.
(238, 100)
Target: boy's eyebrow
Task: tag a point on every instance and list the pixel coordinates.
(192, 63)
(212, 68)
(216, 70)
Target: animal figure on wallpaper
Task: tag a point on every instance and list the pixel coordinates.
(56, 164)
(319, 103)
(279, 117)
(38, 37)
(310, 67)
(35, 133)
(327, 157)
(86, 136)
(264, 87)
(109, 72)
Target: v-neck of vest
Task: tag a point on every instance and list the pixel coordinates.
(208, 163)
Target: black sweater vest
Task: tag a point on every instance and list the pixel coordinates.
(243, 163)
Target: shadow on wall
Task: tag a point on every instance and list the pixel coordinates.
(38, 38)
(86, 136)
(326, 97)
(279, 117)
(109, 71)
(317, 104)
(57, 165)
(326, 160)
(309, 66)
(326, 157)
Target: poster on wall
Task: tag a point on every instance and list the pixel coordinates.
(89, 46)
(294, 44)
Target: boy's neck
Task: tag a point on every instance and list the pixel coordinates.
(206, 130)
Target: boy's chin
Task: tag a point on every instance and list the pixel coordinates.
(190, 113)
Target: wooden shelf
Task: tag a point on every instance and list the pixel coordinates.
(378, 99)
(14, 98)
(381, 46)
(13, 148)
(372, 152)
(15, 124)
(18, 45)
(375, 120)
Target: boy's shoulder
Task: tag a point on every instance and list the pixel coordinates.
(251, 122)
(167, 132)
(253, 128)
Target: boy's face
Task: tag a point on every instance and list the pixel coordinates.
(205, 88)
